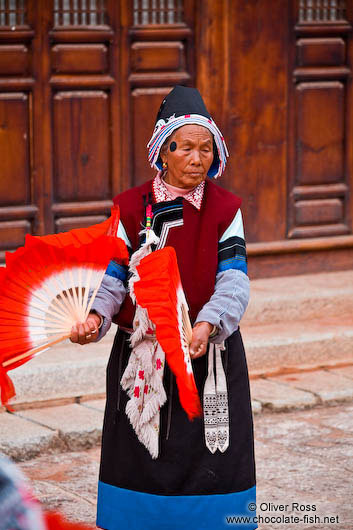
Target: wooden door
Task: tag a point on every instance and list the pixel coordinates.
(80, 85)
(81, 82)
(59, 115)
(278, 79)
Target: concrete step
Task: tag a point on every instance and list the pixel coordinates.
(296, 323)
(55, 429)
(298, 345)
(305, 297)
(65, 372)
(78, 426)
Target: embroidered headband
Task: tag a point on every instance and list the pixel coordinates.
(185, 106)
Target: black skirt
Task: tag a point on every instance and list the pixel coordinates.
(187, 484)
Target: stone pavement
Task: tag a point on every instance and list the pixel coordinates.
(298, 334)
(76, 426)
(303, 459)
(303, 437)
(292, 324)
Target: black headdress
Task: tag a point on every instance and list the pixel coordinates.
(183, 106)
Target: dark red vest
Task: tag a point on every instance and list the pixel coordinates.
(195, 243)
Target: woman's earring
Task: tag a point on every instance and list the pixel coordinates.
(164, 165)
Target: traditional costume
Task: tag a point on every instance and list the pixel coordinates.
(202, 471)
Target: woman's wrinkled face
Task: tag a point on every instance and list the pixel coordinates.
(189, 155)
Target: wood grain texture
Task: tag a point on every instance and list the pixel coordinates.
(63, 81)
(18, 212)
(13, 233)
(304, 262)
(145, 105)
(64, 224)
(320, 130)
(349, 127)
(81, 146)
(85, 35)
(320, 191)
(40, 19)
(81, 208)
(281, 93)
(14, 149)
(309, 73)
(157, 56)
(295, 246)
(242, 73)
(16, 83)
(321, 52)
(79, 58)
(319, 211)
(319, 230)
(158, 59)
(14, 59)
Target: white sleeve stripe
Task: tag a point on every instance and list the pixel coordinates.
(235, 228)
(232, 246)
(122, 233)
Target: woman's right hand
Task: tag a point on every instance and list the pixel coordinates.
(84, 333)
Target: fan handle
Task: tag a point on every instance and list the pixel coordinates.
(33, 351)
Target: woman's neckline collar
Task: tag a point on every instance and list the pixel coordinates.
(161, 192)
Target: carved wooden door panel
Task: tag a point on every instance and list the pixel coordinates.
(159, 54)
(81, 96)
(80, 85)
(320, 97)
(81, 82)
(59, 115)
(278, 80)
(17, 210)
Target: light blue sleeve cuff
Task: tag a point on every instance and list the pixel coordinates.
(227, 304)
(107, 303)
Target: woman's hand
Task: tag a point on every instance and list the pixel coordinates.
(84, 333)
(200, 333)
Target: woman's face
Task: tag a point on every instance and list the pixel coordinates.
(189, 156)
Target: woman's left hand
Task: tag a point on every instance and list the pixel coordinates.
(200, 333)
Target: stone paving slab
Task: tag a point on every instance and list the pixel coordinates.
(327, 385)
(70, 371)
(67, 483)
(99, 404)
(96, 404)
(318, 449)
(77, 371)
(256, 406)
(293, 344)
(303, 297)
(345, 371)
(291, 323)
(280, 396)
(302, 459)
(66, 370)
(79, 427)
(22, 439)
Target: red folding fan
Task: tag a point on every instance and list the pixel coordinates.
(159, 290)
(47, 286)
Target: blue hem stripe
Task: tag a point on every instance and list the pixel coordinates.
(122, 509)
(233, 263)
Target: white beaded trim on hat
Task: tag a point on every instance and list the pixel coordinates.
(164, 128)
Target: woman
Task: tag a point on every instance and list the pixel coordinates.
(19, 510)
(205, 469)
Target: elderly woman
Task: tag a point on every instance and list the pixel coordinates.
(205, 471)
